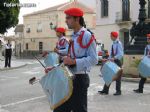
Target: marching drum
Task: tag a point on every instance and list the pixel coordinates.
(144, 67)
(57, 84)
(111, 72)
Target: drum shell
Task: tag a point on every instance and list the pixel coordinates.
(57, 83)
(144, 67)
(111, 72)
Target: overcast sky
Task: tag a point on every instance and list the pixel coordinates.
(40, 4)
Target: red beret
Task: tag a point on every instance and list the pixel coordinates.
(74, 12)
(60, 29)
(114, 34)
(148, 35)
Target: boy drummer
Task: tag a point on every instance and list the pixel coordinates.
(116, 54)
(143, 80)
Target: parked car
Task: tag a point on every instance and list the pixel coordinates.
(101, 53)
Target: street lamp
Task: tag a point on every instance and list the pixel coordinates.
(52, 26)
(138, 32)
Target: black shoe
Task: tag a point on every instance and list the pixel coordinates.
(117, 93)
(138, 91)
(103, 92)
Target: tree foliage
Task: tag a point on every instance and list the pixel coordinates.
(8, 15)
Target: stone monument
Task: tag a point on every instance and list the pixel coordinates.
(134, 52)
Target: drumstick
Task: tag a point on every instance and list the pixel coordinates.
(43, 64)
(54, 67)
(45, 53)
(33, 80)
(39, 61)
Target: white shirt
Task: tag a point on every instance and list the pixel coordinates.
(8, 46)
(118, 50)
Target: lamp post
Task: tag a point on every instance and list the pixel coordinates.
(142, 13)
(52, 26)
(138, 32)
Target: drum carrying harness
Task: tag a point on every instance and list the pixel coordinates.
(117, 61)
(147, 51)
(112, 49)
(80, 38)
(61, 42)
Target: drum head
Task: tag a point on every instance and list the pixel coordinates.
(52, 59)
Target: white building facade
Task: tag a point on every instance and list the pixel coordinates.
(118, 15)
(115, 15)
(39, 33)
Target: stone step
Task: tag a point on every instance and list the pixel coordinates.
(140, 42)
(140, 39)
(137, 46)
(130, 52)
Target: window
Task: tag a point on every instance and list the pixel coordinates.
(125, 10)
(40, 47)
(104, 8)
(27, 46)
(39, 27)
(149, 9)
(28, 28)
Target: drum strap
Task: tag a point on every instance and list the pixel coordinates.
(117, 61)
(71, 45)
(113, 53)
(62, 42)
(147, 51)
(80, 40)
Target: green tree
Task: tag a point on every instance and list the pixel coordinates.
(8, 15)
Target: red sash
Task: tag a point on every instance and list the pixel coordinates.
(80, 40)
(71, 46)
(62, 42)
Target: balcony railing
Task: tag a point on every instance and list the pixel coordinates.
(120, 19)
(39, 30)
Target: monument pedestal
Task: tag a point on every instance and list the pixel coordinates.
(130, 64)
(138, 46)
